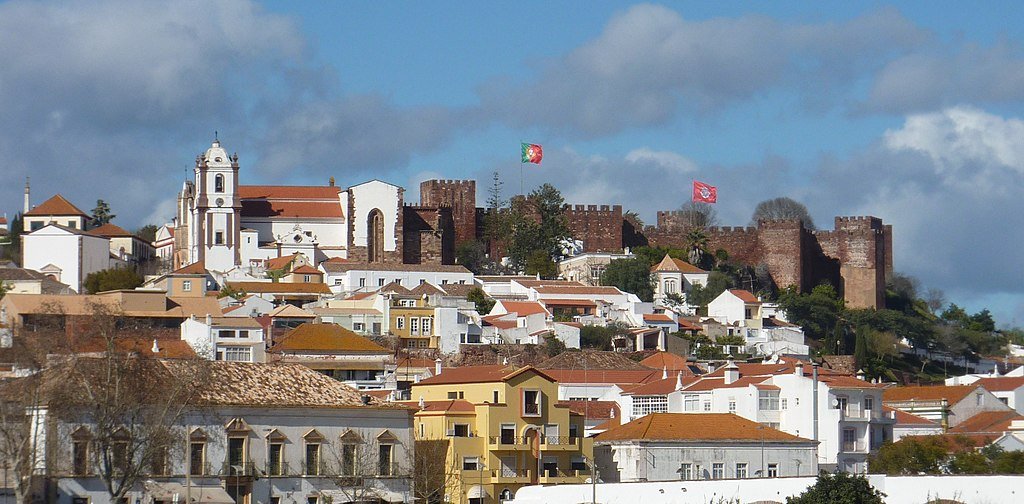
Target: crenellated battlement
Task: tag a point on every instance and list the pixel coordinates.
(607, 209)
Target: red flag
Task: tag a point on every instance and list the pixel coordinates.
(704, 193)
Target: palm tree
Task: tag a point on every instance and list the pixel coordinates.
(697, 243)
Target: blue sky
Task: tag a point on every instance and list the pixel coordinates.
(913, 112)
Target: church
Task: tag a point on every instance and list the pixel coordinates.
(227, 226)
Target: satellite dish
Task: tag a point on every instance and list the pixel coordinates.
(835, 402)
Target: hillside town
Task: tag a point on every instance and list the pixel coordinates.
(331, 344)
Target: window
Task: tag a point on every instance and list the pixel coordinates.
(767, 400)
(236, 453)
(414, 325)
(36, 226)
(470, 463)
(226, 334)
(426, 325)
(238, 354)
(275, 500)
(842, 403)
(380, 282)
(275, 459)
(978, 399)
(384, 459)
(312, 459)
(549, 467)
(305, 278)
(362, 282)
(670, 287)
(80, 457)
(698, 473)
(218, 238)
(456, 394)
(574, 432)
(358, 326)
(158, 465)
(717, 470)
(747, 313)
(186, 285)
(645, 405)
(686, 471)
(460, 430)
(218, 183)
(348, 459)
(531, 403)
(773, 470)
(243, 334)
(707, 405)
(784, 404)
(312, 499)
(732, 405)
(690, 402)
(400, 323)
(849, 439)
(741, 470)
(869, 403)
(578, 463)
(495, 401)
(73, 224)
(508, 434)
(196, 459)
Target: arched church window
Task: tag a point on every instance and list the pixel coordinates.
(670, 287)
(375, 236)
(218, 183)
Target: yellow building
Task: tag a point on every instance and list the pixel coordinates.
(504, 430)
(412, 320)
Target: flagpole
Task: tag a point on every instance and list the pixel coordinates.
(521, 163)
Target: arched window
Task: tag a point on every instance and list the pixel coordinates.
(218, 183)
(670, 287)
(505, 495)
(375, 236)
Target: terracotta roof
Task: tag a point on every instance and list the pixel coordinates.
(904, 418)
(395, 287)
(306, 269)
(667, 360)
(663, 386)
(56, 205)
(607, 376)
(705, 384)
(657, 317)
(987, 422)
(453, 406)
(608, 424)
(281, 287)
(951, 393)
(360, 295)
(592, 410)
(1001, 383)
(426, 288)
(127, 303)
(582, 290)
(282, 262)
(480, 374)
(325, 338)
(523, 308)
(673, 264)
(290, 311)
(341, 267)
(416, 362)
(697, 427)
(592, 360)
(111, 231)
(168, 348)
(569, 302)
(500, 321)
(531, 282)
(290, 201)
(686, 325)
(458, 290)
(845, 381)
(744, 295)
(280, 385)
(196, 268)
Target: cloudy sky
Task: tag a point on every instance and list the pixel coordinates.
(912, 113)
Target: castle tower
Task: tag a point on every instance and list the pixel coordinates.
(216, 230)
(460, 196)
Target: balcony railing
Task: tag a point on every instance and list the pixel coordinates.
(855, 447)
(238, 468)
(559, 440)
(509, 475)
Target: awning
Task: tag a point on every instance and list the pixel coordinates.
(476, 492)
(166, 491)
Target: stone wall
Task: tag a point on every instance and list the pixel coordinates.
(427, 235)
(599, 227)
(460, 197)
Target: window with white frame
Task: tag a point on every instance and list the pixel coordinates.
(400, 323)
(741, 470)
(768, 400)
(238, 354)
(671, 287)
(717, 470)
(186, 285)
(732, 405)
(414, 325)
(773, 470)
(645, 405)
(686, 471)
(426, 325)
(691, 403)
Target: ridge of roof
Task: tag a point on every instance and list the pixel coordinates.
(56, 205)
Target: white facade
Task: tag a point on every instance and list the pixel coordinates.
(234, 339)
(348, 278)
(67, 255)
(635, 461)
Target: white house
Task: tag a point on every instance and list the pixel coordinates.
(764, 332)
(65, 254)
(350, 277)
(1009, 390)
(55, 210)
(234, 339)
(588, 267)
(675, 277)
(125, 245)
(702, 446)
(526, 322)
(294, 436)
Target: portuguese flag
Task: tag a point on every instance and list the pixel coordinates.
(532, 153)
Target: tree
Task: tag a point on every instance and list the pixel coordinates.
(547, 202)
(839, 488)
(101, 214)
(539, 262)
(694, 214)
(634, 218)
(600, 337)
(630, 275)
(433, 472)
(860, 347)
(478, 297)
(147, 232)
(472, 255)
(817, 312)
(494, 200)
(701, 295)
(935, 299)
(912, 455)
(111, 279)
(697, 248)
(12, 249)
(782, 209)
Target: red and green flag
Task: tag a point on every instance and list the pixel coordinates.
(532, 153)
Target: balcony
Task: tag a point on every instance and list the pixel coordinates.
(506, 475)
(560, 443)
(238, 469)
(507, 443)
(554, 477)
(854, 447)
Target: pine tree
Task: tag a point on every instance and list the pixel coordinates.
(101, 214)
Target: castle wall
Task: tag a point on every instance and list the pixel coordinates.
(427, 235)
(599, 227)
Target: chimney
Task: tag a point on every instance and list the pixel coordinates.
(860, 374)
(209, 319)
(798, 369)
(156, 348)
(330, 181)
(664, 372)
(945, 415)
(437, 366)
(814, 398)
(732, 372)
(422, 403)
(679, 381)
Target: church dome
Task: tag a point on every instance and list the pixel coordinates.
(216, 155)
